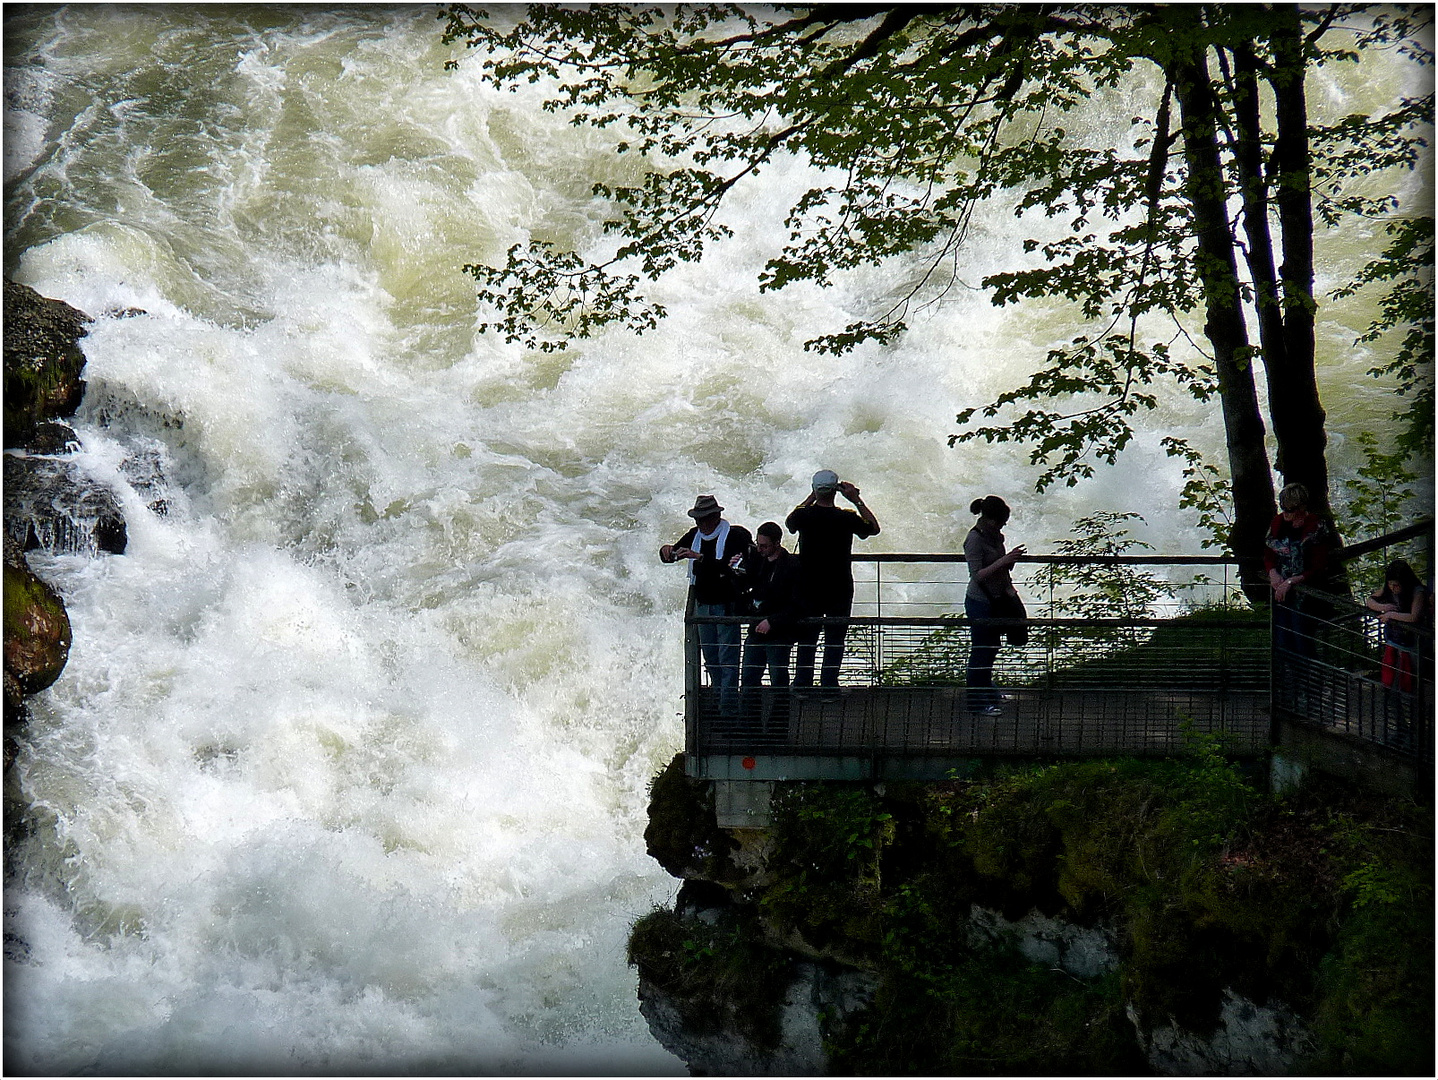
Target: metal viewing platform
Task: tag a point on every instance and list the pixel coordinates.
(1125, 655)
(1181, 656)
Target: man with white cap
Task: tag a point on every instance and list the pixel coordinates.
(713, 548)
(826, 540)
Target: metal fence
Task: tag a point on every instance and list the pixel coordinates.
(1053, 586)
(1332, 668)
(1190, 660)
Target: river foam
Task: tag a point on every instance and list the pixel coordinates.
(347, 772)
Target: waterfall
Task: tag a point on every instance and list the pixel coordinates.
(347, 772)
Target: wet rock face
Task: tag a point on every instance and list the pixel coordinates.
(817, 994)
(37, 632)
(1251, 1040)
(51, 504)
(42, 361)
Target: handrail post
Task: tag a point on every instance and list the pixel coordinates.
(1272, 678)
(878, 614)
(691, 677)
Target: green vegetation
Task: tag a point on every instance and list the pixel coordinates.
(1203, 645)
(1197, 648)
(681, 835)
(1321, 900)
(1101, 590)
(37, 631)
(721, 976)
(829, 839)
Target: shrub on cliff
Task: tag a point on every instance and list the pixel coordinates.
(828, 840)
(1322, 901)
(682, 835)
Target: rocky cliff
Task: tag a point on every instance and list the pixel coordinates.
(43, 362)
(1103, 918)
(49, 504)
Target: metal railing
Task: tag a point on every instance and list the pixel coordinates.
(1124, 654)
(1332, 668)
(933, 584)
(1192, 661)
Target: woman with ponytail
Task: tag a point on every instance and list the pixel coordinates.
(990, 588)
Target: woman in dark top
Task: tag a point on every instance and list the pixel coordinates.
(1401, 602)
(989, 583)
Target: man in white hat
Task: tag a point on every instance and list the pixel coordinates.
(826, 541)
(713, 548)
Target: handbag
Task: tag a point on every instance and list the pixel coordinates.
(1009, 606)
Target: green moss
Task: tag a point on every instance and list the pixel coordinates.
(37, 630)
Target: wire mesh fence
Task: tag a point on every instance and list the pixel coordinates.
(1190, 660)
(1053, 586)
(1335, 665)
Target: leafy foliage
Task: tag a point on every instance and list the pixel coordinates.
(831, 838)
(1206, 490)
(1095, 590)
(1407, 266)
(1379, 499)
(915, 116)
(1321, 900)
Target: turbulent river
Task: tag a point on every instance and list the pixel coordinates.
(347, 772)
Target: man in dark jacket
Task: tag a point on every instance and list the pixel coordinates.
(713, 548)
(826, 540)
(772, 575)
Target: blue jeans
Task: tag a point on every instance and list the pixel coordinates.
(720, 645)
(983, 649)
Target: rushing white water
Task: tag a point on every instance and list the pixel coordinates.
(347, 771)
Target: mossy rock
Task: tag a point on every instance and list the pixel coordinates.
(43, 361)
(37, 632)
(719, 975)
(683, 834)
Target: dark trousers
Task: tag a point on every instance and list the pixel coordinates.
(1293, 628)
(983, 650)
(760, 655)
(837, 605)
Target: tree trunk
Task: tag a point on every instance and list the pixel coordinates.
(1224, 324)
(1248, 163)
(1298, 417)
